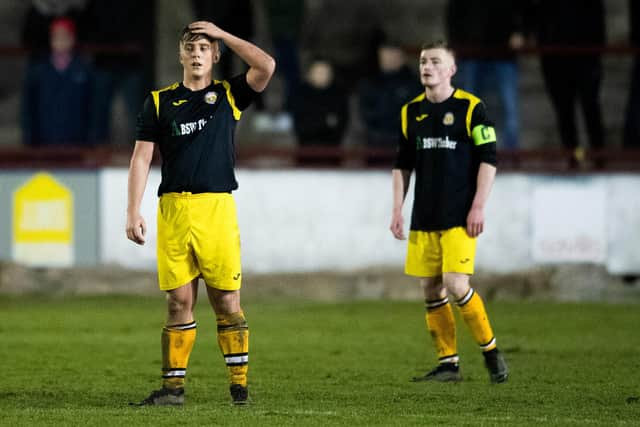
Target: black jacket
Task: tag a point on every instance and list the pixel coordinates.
(320, 116)
(568, 22)
(481, 29)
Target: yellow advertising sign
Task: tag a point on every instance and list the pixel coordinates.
(43, 222)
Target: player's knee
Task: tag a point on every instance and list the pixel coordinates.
(435, 293)
(225, 302)
(433, 288)
(177, 307)
(457, 285)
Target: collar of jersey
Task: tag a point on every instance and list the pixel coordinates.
(187, 90)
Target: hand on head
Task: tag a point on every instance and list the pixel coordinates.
(207, 28)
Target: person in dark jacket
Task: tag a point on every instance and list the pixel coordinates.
(57, 91)
(345, 33)
(285, 20)
(126, 28)
(486, 36)
(320, 109)
(573, 77)
(381, 96)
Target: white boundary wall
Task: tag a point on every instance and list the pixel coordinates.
(307, 220)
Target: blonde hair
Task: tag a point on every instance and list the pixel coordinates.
(186, 35)
(439, 44)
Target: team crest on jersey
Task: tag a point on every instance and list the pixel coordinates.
(210, 97)
(448, 119)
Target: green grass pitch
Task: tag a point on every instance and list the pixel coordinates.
(80, 360)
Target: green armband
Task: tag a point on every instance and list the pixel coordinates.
(482, 134)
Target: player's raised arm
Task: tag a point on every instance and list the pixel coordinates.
(138, 174)
(261, 64)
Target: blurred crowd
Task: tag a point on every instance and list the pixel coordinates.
(69, 92)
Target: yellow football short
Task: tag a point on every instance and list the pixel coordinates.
(198, 236)
(431, 253)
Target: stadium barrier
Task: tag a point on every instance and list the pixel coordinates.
(269, 156)
(297, 220)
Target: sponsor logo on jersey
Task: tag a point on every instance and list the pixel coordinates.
(179, 102)
(180, 129)
(433, 143)
(421, 117)
(210, 97)
(448, 119)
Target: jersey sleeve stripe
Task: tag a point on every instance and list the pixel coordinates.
(403, 118)
(227, 87)
(156, 101)
(473, 101)
(155, 94)
(403, 114)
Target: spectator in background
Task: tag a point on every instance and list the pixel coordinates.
(127, 30)
(57, 91)
(35, 28)
(345, 33)
(486, 36)
(284, 18)
(631, 138)
(573, 77)
(382, 95)
(320, 110)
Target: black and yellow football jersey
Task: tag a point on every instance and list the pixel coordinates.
(444, 143)
(195, 131)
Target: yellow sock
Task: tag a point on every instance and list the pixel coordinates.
(177, 342)
(233, 339)
(475, 316)
(442, 326)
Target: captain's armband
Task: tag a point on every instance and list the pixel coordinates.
(483, 134)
